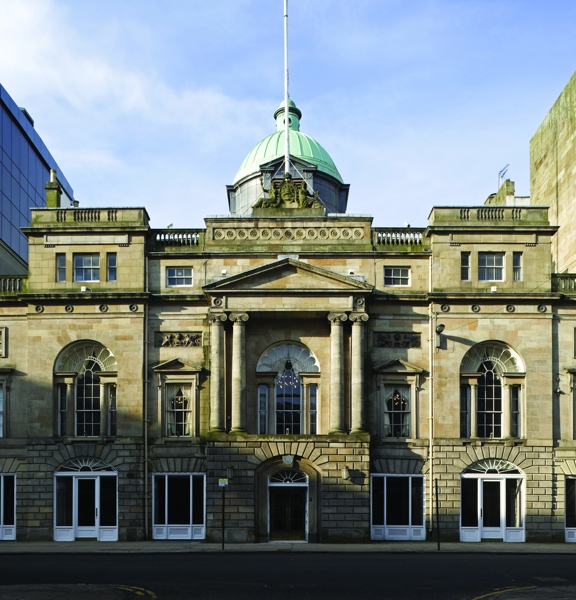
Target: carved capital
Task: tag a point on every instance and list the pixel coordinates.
(239, 317)
(336, 318)
(358, 318)
(217, 317)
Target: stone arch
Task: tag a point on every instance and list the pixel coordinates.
(273, 359)
(492, 466)
(504, 358)
(72, 358)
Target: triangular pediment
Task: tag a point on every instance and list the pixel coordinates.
(398, 366)
(177, 365)
(288, 275)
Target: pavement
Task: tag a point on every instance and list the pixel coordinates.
(118, 592)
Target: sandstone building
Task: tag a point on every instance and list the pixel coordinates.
(347, 382)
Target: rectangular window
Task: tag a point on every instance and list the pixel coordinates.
(60, 268)
(464, 410)
(111, 266)
(313, 408)
(178, 276)
(491, 266)
(62, 403)
(7, 507)
(86, 267)
(112, 413)
(465, 266)
(179, 410)
(262, 408)
(517, 266)
(396, 412)
(398, 507)
(515, 411)
(396, 276)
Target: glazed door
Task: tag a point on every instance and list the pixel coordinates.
(288, 513)
(491, 511)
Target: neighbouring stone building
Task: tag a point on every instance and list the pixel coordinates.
(326, 379)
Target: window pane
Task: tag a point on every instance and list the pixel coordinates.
(197, 500)
(397, 412)
(179, 410)
(288, 401)
(396, 276)
(159, 499)
(262, 408)
(377, 500)
(313, 408)
(64, 501)
(8, 515)
(176, 276)
(417, 490)
(397, 500)
(111, 266)
(465, 266)
(108, 501)
(178, 500)
(464, 410)
(60, 267)
(86, 267)
(513, 504)
(469, 502)
(570, 502)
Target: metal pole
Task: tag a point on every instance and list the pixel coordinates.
(286, 112)
(223, 513)
(437, 514)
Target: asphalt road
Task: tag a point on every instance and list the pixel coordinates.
(284, 576)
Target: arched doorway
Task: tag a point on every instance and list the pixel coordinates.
(288, 506)
(85, 501)
(492, 502)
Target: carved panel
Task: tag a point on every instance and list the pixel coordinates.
(173, 339)
(396, 339)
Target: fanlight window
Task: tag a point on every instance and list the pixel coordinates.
(492, 466)
(275, 359)
(287, 477)
(85, 374)
(94, 465)
(504, 358)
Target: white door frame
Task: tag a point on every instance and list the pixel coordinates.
(294, 484)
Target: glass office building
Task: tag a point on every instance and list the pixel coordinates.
(25, 165)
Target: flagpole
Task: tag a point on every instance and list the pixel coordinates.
(286, 97)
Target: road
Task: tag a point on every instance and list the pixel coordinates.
(285, 576)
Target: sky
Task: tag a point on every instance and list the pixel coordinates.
(156, 103)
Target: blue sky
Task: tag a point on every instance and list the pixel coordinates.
(155, 103)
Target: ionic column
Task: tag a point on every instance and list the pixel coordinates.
(238, 372)
(217, 371)
(473, 410)
(357, 372)
(336, 372)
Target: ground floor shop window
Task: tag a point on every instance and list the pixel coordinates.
(397, 507)
(7, 507)
(492, 502)
(570, 509)
(86, 501)
(179, 506)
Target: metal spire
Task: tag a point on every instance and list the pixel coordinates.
(286, 96)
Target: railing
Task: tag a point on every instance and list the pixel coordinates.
(564, 282)
(492, 213)
(86, 215)
(402, 236)
(177, 238)
(11, 285)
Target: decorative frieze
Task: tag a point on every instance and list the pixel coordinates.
(173, 339)
(397, 339)
(289, 234)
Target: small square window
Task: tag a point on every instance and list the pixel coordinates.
(86, 267)
(60, 268)
(396, 276)
(465, 266)
(178, 276)
(491, 266)
(111, 266)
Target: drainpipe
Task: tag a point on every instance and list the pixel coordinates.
(431, 331)
(145, 406)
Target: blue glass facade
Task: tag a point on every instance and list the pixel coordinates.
(25, 165)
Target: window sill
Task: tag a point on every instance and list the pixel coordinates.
(494, 441)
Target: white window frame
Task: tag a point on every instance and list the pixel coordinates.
(178, 531)
(112, 267)
(7, 530)
(490, 270)
(179, 276)
(465, 266)
(404, 531)
(60, 267)
(517, 260)
(397, 276)
(84, 272)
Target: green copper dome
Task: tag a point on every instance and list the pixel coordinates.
(301, 146)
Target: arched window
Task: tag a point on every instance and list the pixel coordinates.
(288, 390)
(85, 387)
(491, 390)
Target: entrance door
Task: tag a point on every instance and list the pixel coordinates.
(288, 513)
(86, 507)
(491, 513)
